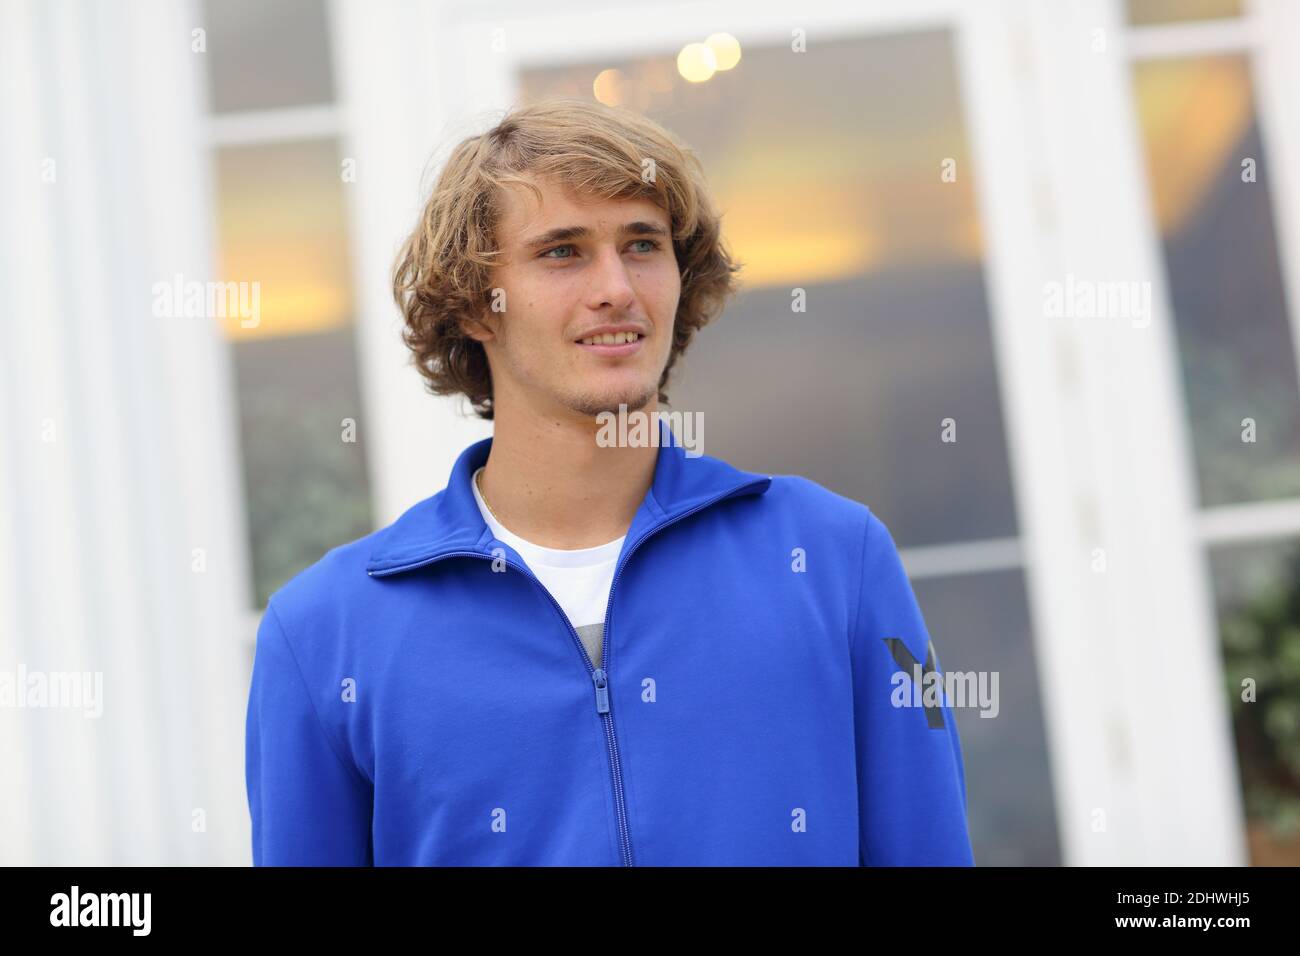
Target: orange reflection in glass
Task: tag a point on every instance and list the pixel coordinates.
(281, 223)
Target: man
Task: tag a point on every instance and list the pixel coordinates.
(587, 651)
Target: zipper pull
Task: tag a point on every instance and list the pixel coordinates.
(602, 691)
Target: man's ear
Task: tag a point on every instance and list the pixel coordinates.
(481, 330)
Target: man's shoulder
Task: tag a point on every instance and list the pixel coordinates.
(340, 576)
(328, 579)
(812, 500)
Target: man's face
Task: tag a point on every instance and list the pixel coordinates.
(612, 265)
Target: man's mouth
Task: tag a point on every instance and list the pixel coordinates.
(612, 343)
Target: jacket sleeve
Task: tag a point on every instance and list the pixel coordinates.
(911, 779)
(309, 806)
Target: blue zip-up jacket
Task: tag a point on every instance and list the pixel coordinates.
(419, 698)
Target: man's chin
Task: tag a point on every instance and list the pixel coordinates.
(592, 406)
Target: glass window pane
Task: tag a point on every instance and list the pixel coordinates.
(281, 220)
(1210, 184)
(829, 171)
(267, 55)
(281, 224)
(1257, 593)
(980, 623)
(1143, 12)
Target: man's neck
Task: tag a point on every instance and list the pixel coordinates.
(548, 481)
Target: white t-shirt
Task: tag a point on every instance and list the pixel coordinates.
(579, 580)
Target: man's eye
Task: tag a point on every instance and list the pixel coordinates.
(652, 243)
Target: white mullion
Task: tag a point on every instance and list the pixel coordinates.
(1184, 754)
(256, 127)
(1275, 71)
(964, 557)
(1011, 160)
(400, 103)
(1253, 521)
(1202, 38)
(544, 38)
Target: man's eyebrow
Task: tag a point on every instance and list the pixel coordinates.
(568, 233)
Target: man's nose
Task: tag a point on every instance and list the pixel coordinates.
(611, 284)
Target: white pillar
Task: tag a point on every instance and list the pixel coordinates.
(396, 102)
(121, 457)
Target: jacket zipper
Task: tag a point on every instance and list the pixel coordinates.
(600, 678)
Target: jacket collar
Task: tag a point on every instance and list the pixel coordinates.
(450, 522)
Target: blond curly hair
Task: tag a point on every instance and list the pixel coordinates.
(441, 276)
